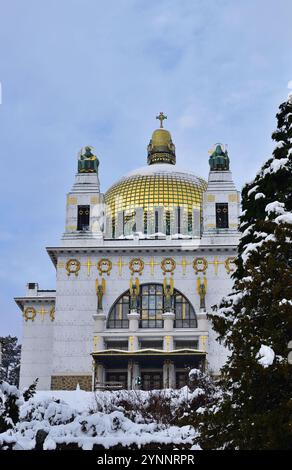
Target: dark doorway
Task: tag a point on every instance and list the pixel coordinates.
(151, 380)
(117, 380)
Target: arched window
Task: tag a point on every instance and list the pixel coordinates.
(151, 308)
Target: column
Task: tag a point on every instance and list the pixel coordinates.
(133, 344)
(99, 375)
(134, 318)
(168, 343)
(98, 343)
(99, 322)
(168, 374)
(202, 321)
(203, 343)
(133, 373)
(168, 318)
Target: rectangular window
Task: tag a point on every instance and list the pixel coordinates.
(222, 215)
(151, 344)
(117, 345)
(178, 219)
(145, 222)
(156, 222)
(123, 223)
(194, 344)
(83, 216)
(167, 222)
(190, 223)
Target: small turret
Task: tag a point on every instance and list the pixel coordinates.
(161, 148)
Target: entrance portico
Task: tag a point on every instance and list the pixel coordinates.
(117, 369)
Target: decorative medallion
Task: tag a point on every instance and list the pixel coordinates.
(73, 267)
(228, 262)
(200, 265)
(29, 313)
(136, 265)
(52, 313)
(104, 266)
(168, 265)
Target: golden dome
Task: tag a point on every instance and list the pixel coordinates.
(152, 187)
(161, 137)
(158, 198)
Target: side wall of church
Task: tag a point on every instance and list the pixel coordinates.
(36, 348)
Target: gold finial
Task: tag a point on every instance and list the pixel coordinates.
(161, 118)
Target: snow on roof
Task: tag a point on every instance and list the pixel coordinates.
(161, 168)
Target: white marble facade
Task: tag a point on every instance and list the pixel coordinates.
(67, 327)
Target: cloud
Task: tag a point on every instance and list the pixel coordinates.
(84, 72)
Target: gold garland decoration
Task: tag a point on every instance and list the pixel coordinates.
(136, 265)
(104, 266)
(52, 314)
(230, 260)
(29, 313)
(200, 265)
(73, 267)
(168, 265)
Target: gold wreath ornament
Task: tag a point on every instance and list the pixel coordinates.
(29, 313)
(168, 265)
(104, 266)
(136, 265)
(200, 265)
(73, 267)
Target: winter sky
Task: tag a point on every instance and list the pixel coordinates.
(97, 72)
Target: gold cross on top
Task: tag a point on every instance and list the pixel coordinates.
(161, 118)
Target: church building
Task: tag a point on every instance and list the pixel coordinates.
(138, 268)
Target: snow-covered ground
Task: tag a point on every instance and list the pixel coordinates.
(106, 418)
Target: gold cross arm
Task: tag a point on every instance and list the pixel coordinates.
(216, 264)
(120, 265)
(184, 265)
(89, 265)
(161, 118)
(152, 265)
(42, 312)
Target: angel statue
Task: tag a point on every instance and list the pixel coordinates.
(168, 290)
(134, 294)
(202, 291)
(100, 291)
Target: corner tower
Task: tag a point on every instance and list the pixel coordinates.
(84, 209)
(221, 201)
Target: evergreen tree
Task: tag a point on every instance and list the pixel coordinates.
(10, 401)
(10, 359)
(255, 320)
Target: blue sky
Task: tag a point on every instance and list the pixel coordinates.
(77, 72)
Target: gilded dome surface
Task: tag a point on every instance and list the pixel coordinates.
(153, 186)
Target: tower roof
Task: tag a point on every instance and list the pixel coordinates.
(161, 149)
